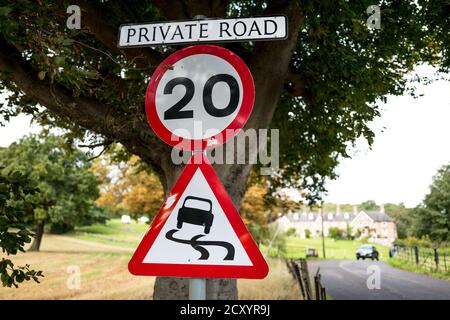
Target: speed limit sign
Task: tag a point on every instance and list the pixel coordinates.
(199, 97)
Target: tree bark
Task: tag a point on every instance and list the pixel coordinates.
(36, 245)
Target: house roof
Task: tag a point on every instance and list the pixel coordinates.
(345, 216)
(379, 216)
(331, 216)
(305, 217)
(300, 216)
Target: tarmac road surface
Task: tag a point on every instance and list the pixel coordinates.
(347, 280)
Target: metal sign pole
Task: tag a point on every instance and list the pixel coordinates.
(197, 289)
(197, 286)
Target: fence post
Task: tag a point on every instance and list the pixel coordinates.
(416, 253)
(306, 278)
(317, 284)
(298, 275)
(436, 258)
(445, 262)
(323, 293)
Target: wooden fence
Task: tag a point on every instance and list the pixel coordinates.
(299, 270)
(433, 259)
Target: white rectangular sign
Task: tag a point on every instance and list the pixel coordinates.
(204, 30)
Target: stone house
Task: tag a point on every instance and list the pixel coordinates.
(378, 226)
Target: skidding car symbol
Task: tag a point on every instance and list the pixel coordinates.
(196, 211)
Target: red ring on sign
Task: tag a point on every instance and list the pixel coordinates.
(248, 98)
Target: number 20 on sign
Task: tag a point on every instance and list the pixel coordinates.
(197, 95)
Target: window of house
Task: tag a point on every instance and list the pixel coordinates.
(330, 216)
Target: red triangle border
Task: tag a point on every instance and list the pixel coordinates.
(258, 270)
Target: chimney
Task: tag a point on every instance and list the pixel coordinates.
(382, 208)
(338, 209)
(355, 209)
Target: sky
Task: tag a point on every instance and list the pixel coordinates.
(412, 141)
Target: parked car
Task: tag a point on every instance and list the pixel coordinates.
(367, 251)
(196, 211)
(125, 219)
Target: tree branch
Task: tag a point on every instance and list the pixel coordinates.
(133, 132)
(295, 85)
(269, 65)
(107, 142)
(177, 10)
(94, 21)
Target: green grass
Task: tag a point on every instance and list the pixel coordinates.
(104, 272)
(334, 249)
(408, 266)
(113, 232)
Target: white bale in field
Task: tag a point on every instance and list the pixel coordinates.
(143, 219)
(125, 219)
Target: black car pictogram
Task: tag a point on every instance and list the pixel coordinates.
(196, 211)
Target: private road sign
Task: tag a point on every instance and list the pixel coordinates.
(202, 30)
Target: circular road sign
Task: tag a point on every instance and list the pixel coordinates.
(199, 97)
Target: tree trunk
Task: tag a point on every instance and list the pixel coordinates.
(269, 66)
(36, 245)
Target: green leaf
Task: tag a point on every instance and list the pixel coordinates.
(59, 60)
(41, 75)
(4, 11)
(67, 42)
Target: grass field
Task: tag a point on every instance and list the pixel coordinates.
(405, 265)
(334, 249)
(101, 253)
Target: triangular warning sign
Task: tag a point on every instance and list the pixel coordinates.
(198, 233)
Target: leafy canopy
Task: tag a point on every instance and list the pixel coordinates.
(68, 189)
(14, 234)
(432, 218)
(340, 71)
(128, 187)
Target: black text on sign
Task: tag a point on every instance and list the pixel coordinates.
(208, 30)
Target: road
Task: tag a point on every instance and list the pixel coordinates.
(347, 280)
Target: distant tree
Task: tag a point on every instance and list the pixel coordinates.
(279, 204)
(307, 233)
(432, 217)
(128, 186)
(329, 207)
(348, 232)
(336, 233)
(291, 232)
(368, 205)
(254, 211)
(144, 193)
(14, 234)
(109, 177)
(403, 218)
(67, 189)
